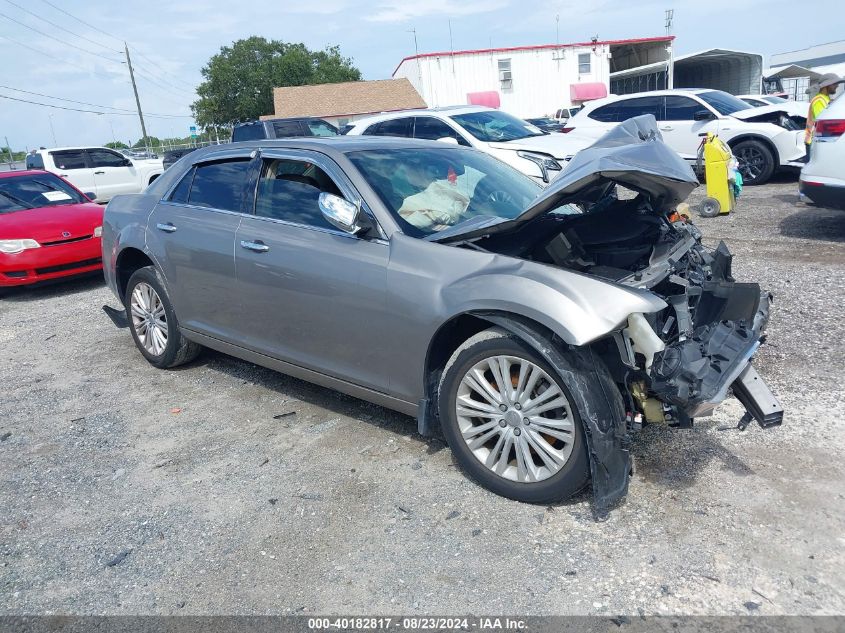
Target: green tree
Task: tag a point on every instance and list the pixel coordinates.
(239, 80)
(149, 141)
(116, 145)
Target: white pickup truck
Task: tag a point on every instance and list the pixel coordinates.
(99, 172)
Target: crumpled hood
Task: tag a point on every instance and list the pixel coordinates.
(631, 154)
(790, 108)
(561, 146)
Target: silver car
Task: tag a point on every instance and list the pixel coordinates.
(536, 329)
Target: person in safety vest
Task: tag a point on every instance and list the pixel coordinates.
(827, 86)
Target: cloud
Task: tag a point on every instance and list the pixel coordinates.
(402, 10)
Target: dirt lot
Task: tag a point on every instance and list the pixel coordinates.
(125, 489)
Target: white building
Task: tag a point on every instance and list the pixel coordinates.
(796, 69)
(528, 81)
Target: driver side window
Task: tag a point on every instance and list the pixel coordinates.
(105, 158)
(289, 190)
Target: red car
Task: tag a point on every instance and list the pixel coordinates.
(48, 229)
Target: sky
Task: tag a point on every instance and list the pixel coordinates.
(73, 49)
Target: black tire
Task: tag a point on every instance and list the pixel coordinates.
(178, 350)
(572, 477)
(756, 161)
(709, 208)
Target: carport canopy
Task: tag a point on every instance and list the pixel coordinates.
(736, 72)
(792, 71)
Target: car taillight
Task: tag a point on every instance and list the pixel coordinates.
(567, 130)
(830, 128)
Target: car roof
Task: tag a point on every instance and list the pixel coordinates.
(651, 93)
(281, 118)
(75, 147)
(444, 110)
(331, 145)
(23, 172)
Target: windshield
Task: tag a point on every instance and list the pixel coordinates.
(722, 102)
(775, 100)
(431, 190)
(493, 126)
(29, 192)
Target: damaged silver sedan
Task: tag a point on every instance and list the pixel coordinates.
(538, 330)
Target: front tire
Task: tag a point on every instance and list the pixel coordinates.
(153, 322)
(756, 161)
(511, 422)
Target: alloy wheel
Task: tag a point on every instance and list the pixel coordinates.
(149, 318)
(515, 418)
(752, 162)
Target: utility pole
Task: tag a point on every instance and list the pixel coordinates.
(11, 157)
(670, 68)
(52, 130)
(137, 100)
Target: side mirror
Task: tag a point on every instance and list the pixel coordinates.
(127, 162)
(339, 212)
(703, 115)
(90, 195)
(448, 139)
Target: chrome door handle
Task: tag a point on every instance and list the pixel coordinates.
(166, 227)
(99, 172)
(667, 128)
(258, 247)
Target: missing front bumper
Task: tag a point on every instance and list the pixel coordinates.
(694, 375)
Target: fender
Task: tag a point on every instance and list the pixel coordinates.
(608, 441)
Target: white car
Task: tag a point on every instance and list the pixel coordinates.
(763, 139)
(795, 108)
(564, 114)
(823, 178)
(100, 172)
(541, 155)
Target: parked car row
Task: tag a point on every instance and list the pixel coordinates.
(100, 172)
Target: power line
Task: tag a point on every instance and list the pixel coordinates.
(52, 37)
(90, 26)
(64, 61)
(58, 26)
(96, 105)
(118, 39)
(156, 65)
(58, 107)
(48, 105)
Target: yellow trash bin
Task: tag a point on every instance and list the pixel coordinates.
(719, 175)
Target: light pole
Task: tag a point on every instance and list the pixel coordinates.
(52, 130)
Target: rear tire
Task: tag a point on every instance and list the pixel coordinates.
(756, 161)
(500, 462)
(153, 322)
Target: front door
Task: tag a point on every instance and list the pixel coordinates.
(679, 128)
(73, 166)
(191, 236)
(113, 173)
(312, 295)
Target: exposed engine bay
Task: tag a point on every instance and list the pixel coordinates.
(679, 363)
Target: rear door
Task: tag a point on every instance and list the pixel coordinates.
(73, 165)
(403, 127)
(113, 173)
(191, 235)
(679, 128)
(312, 295)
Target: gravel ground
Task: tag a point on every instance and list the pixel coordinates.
(128, 490)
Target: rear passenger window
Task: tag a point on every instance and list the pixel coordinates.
(284, 129)
(393, 127)
(34, 161)
(606, 114)
(220, 185)
(69, 159)
(180, 193)
(289, 190)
